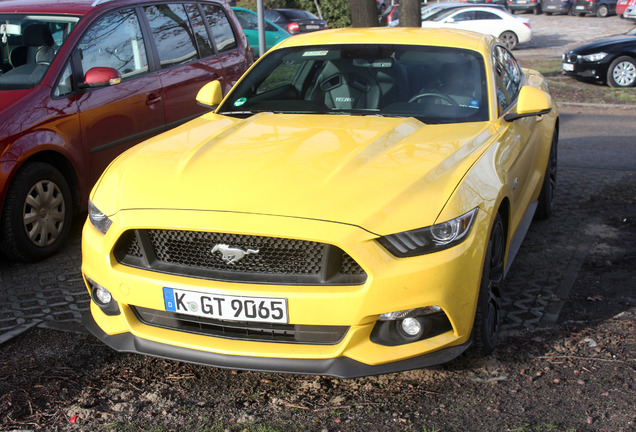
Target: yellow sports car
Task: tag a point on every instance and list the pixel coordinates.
(350, 208)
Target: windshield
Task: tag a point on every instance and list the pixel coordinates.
(432, 84)
(29, 43)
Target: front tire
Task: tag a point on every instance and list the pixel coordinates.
(545, 206)
(622, 72)
(509, 39)
(37, 212)
(602, 11)
(488, 318)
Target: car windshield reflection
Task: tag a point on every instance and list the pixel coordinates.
(432, 84)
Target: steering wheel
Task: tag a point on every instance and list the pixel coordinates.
(434, 95)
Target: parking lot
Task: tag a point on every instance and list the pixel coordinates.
(51, 293)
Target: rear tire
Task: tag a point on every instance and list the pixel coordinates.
(487, 323)
(509, 39)
(545, 206)
(36, 215)
(602, 11)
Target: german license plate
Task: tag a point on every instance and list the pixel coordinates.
(580, 7)
(312, 27)
(226, 307)
(551, 7)
(568, 67)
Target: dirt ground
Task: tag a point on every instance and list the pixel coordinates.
(576, 376)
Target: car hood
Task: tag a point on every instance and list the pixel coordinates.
(603, 44)
(385, 175)
(10, 97)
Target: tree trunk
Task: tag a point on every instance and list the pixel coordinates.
(410, 13)
(364, 13)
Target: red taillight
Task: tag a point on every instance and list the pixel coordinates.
(528, 25)
(293, 27)
(326, 26)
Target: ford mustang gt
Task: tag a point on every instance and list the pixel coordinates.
(349, 208)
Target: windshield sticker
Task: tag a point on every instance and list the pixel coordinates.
(474, 103)
(240, 101)
(315, 53)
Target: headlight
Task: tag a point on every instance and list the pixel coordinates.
(98, 219)
(430, 239)
(594, 57)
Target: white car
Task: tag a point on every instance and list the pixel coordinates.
(630, 12)
(510, 29)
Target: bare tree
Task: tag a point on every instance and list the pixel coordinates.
(364, 13)
(410, 14)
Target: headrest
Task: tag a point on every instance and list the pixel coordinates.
(37, 35)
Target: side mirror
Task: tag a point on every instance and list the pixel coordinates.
(450, 21)
(101, 77)
(531, 102)
(210, 95)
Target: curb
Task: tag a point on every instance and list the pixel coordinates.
(596, 105)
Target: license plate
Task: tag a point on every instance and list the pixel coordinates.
(551, 7)
(226, 307)
(312, 27)
(568, 67)
(580, 7)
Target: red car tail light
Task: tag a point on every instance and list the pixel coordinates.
(293, 27)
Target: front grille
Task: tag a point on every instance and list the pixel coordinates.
(248, 331)
(266, 259)
(570, 58)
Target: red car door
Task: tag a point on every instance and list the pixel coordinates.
(115, 117)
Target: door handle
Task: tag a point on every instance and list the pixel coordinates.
(152, 99)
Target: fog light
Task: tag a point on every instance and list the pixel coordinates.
(411, 326)
(102, 298)
(102, 295)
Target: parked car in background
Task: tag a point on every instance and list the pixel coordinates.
(611, 61)
(600, 8)
(630, 12)
(557, 6)
(391, 16)
(383, 5)
(510, 29)
(82, 81)
(622, 6)
(480, 2)
(534, 6)
(249, 22)
(232, 240)
(295, 21)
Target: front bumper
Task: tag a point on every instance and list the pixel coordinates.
(594, 71)
(341, 367)
(449, 279)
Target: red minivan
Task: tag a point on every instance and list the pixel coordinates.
(82, 81)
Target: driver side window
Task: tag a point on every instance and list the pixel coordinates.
(507, 76)
(115, 41)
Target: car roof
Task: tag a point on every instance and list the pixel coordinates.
(393, 35)
(61, 7)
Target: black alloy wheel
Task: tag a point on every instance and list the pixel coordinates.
(545, 205)
(488, 315)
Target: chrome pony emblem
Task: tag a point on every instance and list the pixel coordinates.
(232, 255)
